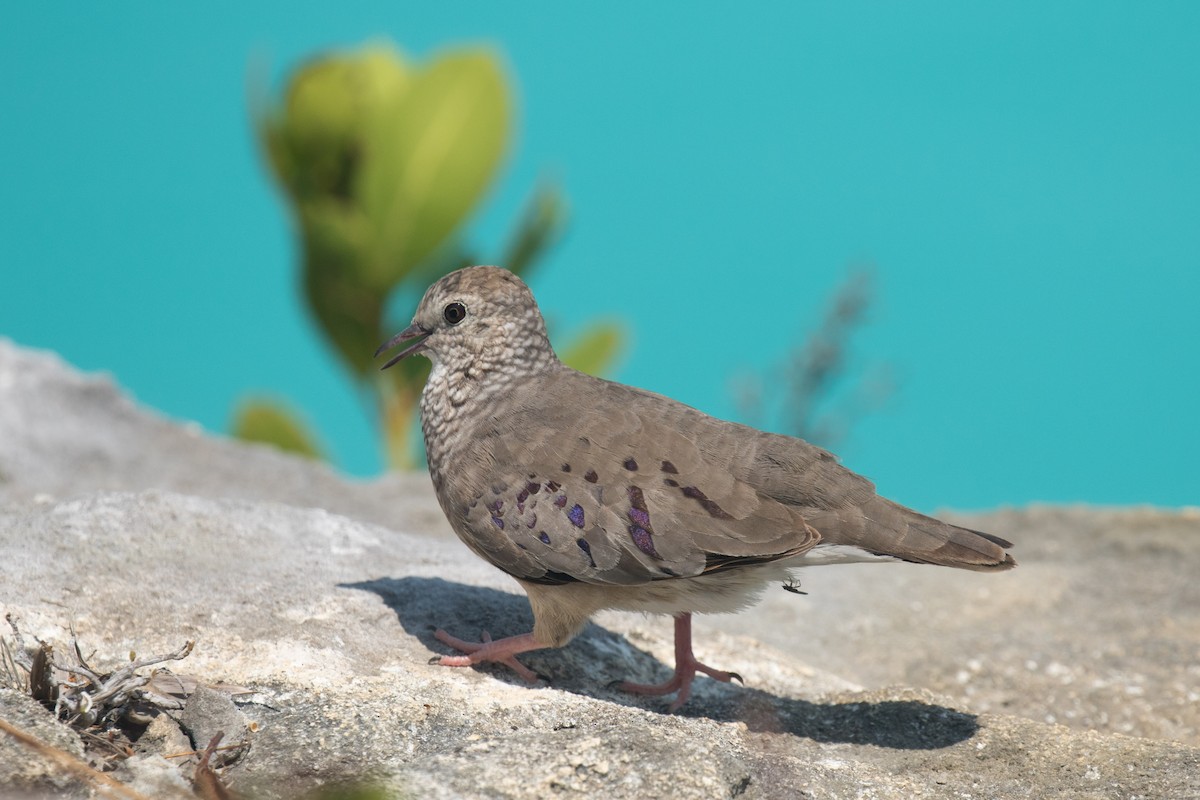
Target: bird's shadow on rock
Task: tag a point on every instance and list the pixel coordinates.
(599, 656)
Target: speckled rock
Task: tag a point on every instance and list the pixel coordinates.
(318, 597)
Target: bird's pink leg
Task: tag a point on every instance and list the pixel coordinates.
(502, 651)
(686, 667)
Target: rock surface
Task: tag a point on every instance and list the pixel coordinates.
(1074, 676)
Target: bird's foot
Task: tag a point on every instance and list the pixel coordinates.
(501, 651)
(686, 667)
(680, 682)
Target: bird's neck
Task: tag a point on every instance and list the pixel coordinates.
(458, 399)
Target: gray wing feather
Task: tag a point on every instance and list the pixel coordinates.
(625, 502)
(645, 488)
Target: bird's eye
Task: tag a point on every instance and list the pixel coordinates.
(454, 313)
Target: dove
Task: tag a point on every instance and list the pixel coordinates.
(595, 495)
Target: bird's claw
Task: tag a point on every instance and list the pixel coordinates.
(503, 651)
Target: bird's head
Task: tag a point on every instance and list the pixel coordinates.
(476, 319)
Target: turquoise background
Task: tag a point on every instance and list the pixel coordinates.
(1025, 178)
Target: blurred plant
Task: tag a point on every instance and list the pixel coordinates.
(811, 401)
(383, 161)
(269, 422)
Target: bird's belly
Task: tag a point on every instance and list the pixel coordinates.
(726, 592)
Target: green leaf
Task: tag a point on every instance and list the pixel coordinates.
(317, 139)
(268, 422)
(350, 314)
(540, 226)
(596, 350)
(430, 160)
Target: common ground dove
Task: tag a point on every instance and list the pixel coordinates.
(596, 495)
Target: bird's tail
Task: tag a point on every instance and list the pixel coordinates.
(885, 528)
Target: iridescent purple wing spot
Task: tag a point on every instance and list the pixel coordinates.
(644, 541)
(639, 512)
(576, 515)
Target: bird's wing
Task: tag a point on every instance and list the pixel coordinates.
(619, 495)
(621, 486)
(844, 507)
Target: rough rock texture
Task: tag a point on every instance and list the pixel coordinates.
(64, 434)
(19, 772)
(319, 595)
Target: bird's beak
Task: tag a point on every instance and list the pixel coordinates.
(413, 331)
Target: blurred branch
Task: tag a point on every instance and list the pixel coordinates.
(808, 401)
(539, 227)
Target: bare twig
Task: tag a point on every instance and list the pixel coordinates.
(25, 673)
(207, 781)
(105, 744)
(79, 692)
(91, 701)
(87, 702)
(12, 623)
(189, 753)
(17, 665)
(12, 674)
(81, 662)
